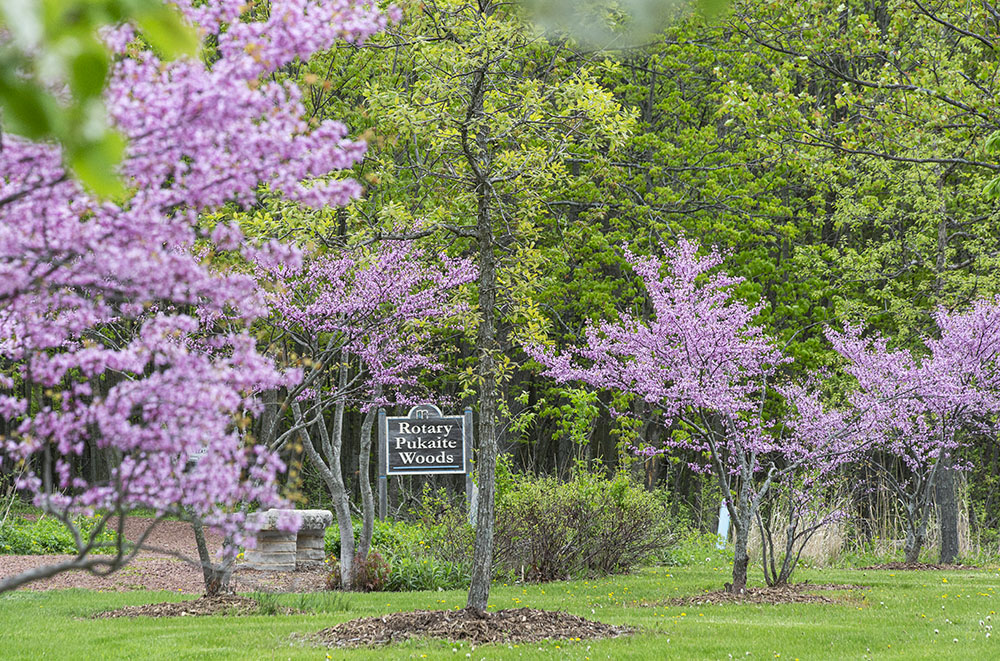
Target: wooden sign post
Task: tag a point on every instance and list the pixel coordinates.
(424, 442)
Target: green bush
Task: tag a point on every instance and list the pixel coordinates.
(590, 526)
(46, 535)
(445, 534)
(426, 573)
(389, 538)
(545, 530)
(404, 556)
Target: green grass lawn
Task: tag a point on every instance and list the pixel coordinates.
(899, 615)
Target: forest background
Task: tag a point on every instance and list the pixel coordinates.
(834, 151)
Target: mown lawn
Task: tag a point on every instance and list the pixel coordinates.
(898, 615)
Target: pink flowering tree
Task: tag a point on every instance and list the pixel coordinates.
(818, 443)
(360, 321)
(699, 358)
(75, 270)
(913, 408)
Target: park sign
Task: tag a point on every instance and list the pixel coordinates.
(425, 442)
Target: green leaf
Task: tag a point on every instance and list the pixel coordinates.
(88, 71)
(94, 163)
(28, 110)
(992, 145)
(992, 190)
(166, 30)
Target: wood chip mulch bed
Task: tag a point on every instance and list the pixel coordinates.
(798, 593)
(521, 625)
(227, 604)
(917, 566)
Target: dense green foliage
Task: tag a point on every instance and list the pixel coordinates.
(834, 149)
(45, 535)
(546, 530)
(587, 526)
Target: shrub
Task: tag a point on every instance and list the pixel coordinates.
(45, 535)
(445, 533)
(389, 538)
(591, 525)
(426, 573)
(370, 574)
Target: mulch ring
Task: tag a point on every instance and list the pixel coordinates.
(917, 566)
(521, 625)
(226, 604)
(797, 593)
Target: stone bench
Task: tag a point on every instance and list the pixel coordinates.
(278, 550)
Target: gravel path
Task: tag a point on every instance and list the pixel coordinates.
(152, 570)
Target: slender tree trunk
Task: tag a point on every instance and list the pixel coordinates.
(364, 481)
(914, 542)
(945, 488)
(916, 530)
(328, 466)
(741, 558)
(268, 417)
(477, 156)
(341, 502)
(945, 493)
(216, 576)
(482, 556)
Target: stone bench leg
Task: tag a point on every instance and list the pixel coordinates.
(276, 551)
(309, 548)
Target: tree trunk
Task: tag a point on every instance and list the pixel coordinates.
(741, 558)
(268, 418)
(946, 497)
(944, 488)
(328, 466)
(338, 492)
(216, 576)
(365, 483)
(482, 555)
(911, 547)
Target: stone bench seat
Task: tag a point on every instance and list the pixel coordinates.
(278, 550)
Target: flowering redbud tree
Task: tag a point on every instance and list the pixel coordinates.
(117, 340)
(818, 442)
(702, 360)
(913, 408)
(359, 321)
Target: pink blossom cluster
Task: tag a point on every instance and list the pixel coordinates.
(911, 405)
(699, 352)
(376, 304)
(97, 297)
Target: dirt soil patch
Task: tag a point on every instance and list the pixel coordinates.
(160, 568)
(917, 566)
(226, 604)
(798, 593)
(520, 625)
